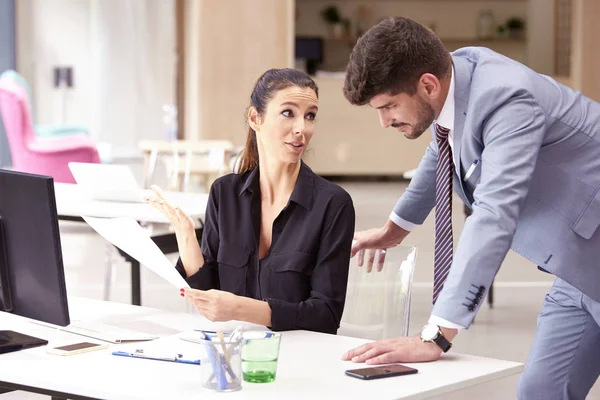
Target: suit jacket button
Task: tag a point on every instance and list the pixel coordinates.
(481, 289)
(471, 308)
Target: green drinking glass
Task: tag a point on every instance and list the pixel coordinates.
(260, 351)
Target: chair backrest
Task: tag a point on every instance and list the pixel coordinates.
(207, 158)
(378, 302)
(22, 82)
(16, 117)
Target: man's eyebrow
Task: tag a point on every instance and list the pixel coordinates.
(389, 103)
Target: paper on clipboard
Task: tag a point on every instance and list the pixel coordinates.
(169, 348)
(129, 236)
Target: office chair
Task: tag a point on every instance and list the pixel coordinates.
(378, 303)
(29, 153)
(43, 131)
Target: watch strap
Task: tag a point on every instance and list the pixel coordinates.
(442, 342)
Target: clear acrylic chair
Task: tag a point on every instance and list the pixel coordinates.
(378, 302)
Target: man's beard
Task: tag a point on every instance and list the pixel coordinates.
(425, 117)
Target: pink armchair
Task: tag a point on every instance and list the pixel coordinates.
(44, 156)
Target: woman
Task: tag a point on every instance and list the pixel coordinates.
(277, 237)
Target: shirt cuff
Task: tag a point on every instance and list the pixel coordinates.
(179, 267)
(283, 315)
(444, 323)
(402, 223)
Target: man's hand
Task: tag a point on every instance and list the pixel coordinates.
(377, 241)
(404, 349)
(216, 305)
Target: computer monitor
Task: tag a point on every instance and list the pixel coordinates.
(309, 49)
(32, 277)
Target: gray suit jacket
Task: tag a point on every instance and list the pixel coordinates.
(535, 188)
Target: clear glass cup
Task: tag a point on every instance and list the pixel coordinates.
(221, 370)
(260, 352)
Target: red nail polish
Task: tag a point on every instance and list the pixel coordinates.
(182, 295)
(182, 290)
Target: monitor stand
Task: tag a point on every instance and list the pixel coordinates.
(5, 295)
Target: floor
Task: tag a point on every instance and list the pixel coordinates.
(504, 332)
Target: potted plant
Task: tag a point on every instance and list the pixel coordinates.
(515, 27)
(332, 17)
(501, 31)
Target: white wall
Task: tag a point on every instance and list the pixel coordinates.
(49, 34)
(7, 61)
(123, 54)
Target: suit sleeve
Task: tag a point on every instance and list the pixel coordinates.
(512, 136)
(207, 277)
(419, 198)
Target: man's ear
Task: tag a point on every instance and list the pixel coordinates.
(254, 119)
(429, 86)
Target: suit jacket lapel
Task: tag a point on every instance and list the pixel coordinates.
(462, 86)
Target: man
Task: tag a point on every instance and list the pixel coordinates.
(523, 152)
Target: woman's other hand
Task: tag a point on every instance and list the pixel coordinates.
(216, 305)
(183, 223)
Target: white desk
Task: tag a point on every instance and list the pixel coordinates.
(309, 366)
(70, 202)
(71, 205)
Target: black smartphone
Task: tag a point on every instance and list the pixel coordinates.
(382, 371)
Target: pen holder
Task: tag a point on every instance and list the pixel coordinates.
(222, 370)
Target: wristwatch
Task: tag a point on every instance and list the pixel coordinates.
(432, 333)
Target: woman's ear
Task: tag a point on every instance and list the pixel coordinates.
(254, 119)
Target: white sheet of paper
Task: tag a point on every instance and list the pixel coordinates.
(129, 236)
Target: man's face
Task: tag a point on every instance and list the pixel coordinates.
(411, 115)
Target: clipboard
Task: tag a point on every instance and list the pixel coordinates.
(177, 358)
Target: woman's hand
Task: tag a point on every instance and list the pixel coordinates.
(216, 305)
(185, 232)
(184, 224)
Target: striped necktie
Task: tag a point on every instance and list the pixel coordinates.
(442, 259)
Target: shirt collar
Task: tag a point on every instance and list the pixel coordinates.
(302, 193)
(446, 117)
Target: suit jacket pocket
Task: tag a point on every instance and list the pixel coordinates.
(588, 221)
(290, 276)
(233, 266)
(471, 183)
(473, 179)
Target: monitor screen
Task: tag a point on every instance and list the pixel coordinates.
(309, 48)
(31, 265)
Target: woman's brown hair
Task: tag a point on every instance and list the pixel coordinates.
(264, 90)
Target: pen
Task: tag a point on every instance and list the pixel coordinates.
(215, 361)
(471, 169)
(177, 358)
(210, 332)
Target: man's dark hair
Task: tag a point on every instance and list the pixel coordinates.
(391, 57)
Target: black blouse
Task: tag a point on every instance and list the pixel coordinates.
(304, 275)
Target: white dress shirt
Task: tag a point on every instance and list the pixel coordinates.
(445, 119)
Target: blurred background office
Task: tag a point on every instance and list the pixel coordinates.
(162, 86)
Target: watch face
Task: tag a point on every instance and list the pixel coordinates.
(429, 332)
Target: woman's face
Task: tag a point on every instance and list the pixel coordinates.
(284, 131)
